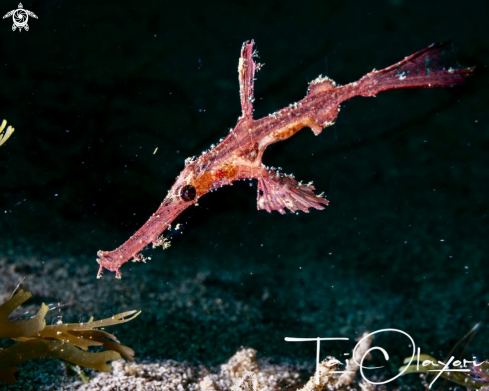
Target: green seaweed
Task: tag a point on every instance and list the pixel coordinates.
(5, 133)
(65, 341)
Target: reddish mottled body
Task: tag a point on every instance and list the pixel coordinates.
(239, 155)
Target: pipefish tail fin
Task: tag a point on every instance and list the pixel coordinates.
(434, 66)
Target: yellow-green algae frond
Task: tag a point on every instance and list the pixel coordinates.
(5, 133)
(66, 341)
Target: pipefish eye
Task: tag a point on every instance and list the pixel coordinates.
(188, 193)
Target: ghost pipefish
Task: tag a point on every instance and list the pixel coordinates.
(239, 155)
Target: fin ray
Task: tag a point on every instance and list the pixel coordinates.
(280, 192)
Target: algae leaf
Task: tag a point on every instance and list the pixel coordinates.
(5, 133)
(66, 341)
